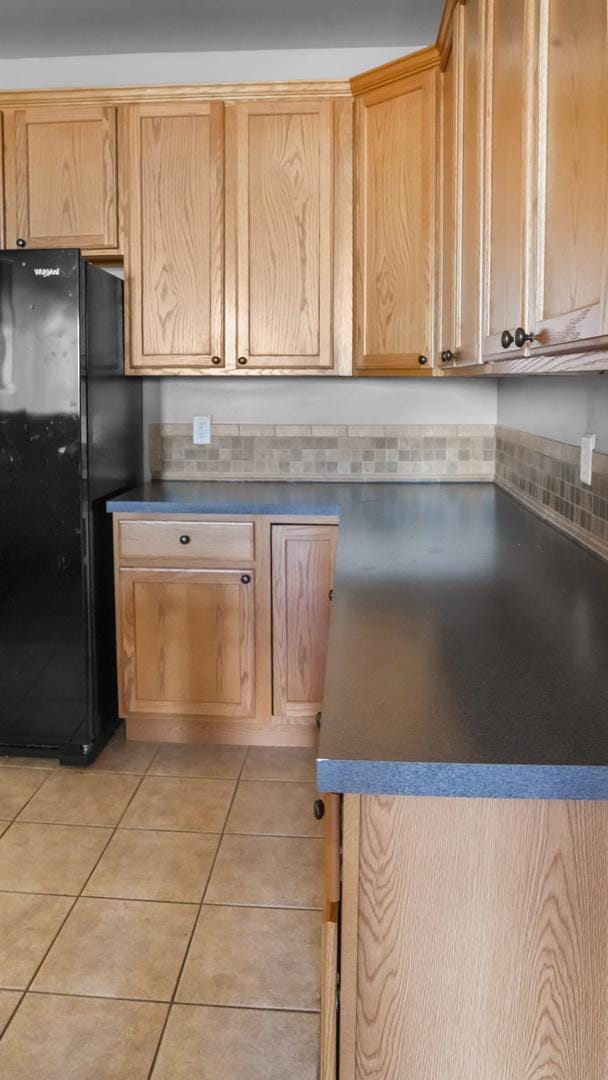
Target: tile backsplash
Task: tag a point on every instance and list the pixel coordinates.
(328, 452)
(545, 476)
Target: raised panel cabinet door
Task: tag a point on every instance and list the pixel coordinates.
(174, 259)
(303, 558)
(291, 238)
(61, 177)
(470, 43)
(395, 242)
(186, 642)
(509, 173)
(571, 293)
(449, 184)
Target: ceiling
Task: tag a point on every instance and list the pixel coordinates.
(32, 28)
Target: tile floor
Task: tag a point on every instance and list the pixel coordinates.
(160, 915)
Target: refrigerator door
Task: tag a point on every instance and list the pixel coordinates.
(43, 636)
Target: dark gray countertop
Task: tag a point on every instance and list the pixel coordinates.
(468, 650)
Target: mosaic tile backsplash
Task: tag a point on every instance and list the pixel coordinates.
(328, 452)
(545, 476)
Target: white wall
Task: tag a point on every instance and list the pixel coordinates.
(129, 69)
(557, 408)
(322, 401)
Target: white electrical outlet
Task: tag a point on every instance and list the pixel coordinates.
(587, 448)
(201, 430)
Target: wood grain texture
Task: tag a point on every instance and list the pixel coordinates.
(329, 994)
(482, 948)
(220, 542)
(332, 841)
(572, 234)
(159, 93)
(187, 642)
(284, 234)
(449, 186)
(217, 730)
(394, 71)
(395, 242)
(61, 180)
(349, 935)
(174, 264)
(471, 46)
(303, 558)
(510, 60)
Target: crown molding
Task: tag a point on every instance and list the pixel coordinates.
(126, 95)
(412, 64)
(444, 36)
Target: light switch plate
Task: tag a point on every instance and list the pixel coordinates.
(587, 448)
(201, 430)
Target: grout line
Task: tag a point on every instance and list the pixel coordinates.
(195, 925)
(166, 1002)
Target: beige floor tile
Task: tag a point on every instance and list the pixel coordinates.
(28, 925)
(49, 858)
(280, 763)
(274, 808)
(125, 757)
(72, 797)
(9, 999)
(4, 826)
(10, 762)
(209, 1043)
(119, 948)
(177, 759)
(71, 1038)
(143, 865)
(254, 957)
(268, 871)
(16, 787)
(171, 802)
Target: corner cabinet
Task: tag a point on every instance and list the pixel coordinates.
(395, 222)
(238, 256)
(61, 178)
(222, 627)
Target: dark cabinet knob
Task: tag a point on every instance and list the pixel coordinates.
(319, 809)
(20, 242)
(447, 356)
(185, 539)
(245, 578)
(423, 360)
(318, 721)
(521, 337)
(506, 339)
(331, 594)
(242, 360)
(216, 361)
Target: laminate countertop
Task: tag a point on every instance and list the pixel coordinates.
(468, 650)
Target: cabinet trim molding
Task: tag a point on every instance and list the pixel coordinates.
(136, 95)
(412, 64)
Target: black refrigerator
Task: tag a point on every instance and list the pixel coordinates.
(70, 437)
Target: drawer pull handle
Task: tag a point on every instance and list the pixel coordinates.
(506, 339)
(185, 539)
(521, 337)
(319, 809)
(245, 578)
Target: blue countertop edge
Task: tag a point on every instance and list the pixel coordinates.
(223, 506)
(475, 781)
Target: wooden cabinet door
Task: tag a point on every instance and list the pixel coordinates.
(174, 259)
(290, 217)
(449, 185)
(396, 195)
(186, 642)
(509, 172)
(61, 177)
(303, 559)
(571, 286)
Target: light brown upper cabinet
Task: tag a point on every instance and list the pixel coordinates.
(462, 125)
(289, 216)
(395, 211)
(509, 170)
(174, 234)
(569, 304)
(303, 558)
(61, 178)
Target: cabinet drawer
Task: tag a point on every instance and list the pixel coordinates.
(219, 541)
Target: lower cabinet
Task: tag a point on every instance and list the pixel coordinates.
(222, 627)
(188, 641)
(303, 558)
